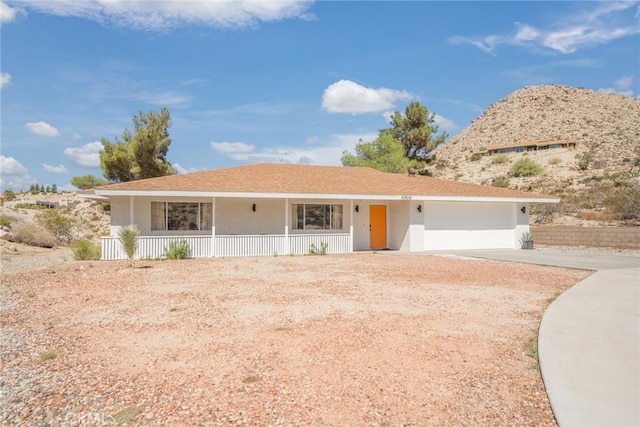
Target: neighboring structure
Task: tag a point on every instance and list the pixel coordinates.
(268, 209)
(522, 146)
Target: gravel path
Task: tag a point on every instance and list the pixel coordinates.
(358, 340)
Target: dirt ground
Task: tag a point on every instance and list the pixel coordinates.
(358, 339)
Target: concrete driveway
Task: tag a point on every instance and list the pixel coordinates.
(589, 337)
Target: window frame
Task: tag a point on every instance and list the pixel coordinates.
(332, 213)
(203, 223)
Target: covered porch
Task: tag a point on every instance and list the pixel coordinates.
(153, 247)
(231, 227)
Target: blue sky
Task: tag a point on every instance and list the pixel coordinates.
(284, 81)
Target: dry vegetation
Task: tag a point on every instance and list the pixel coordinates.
(73, 218)
(360, 339)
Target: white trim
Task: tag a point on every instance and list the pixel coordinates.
(350, 224)
(419, 197)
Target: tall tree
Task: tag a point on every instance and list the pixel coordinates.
(416, 130)
(87, 181)
(407, 143)
(385, 153)
(141, 154)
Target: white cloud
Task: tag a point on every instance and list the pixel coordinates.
(604, 23)
(232, 148)
(622, 86)
(321, 153)
(162, 98)
(346, 96)
(13, 174)
(86, 155)
(11, 166)
(76, 136)
(7, 14)
(444, 123)
(5, 79)
(181, 169)
(55, 169)
(156, 15)
(43, 129)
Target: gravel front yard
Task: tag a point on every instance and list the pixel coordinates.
(357, 340)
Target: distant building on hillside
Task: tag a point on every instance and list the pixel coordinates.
(526, 145)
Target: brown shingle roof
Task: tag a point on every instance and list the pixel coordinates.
(305, 179)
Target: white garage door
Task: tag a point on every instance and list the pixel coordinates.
(469, 225)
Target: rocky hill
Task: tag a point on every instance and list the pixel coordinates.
(605, 129)
(606, 123)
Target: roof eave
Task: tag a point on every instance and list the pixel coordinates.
(104, 194)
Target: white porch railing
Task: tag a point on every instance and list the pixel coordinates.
(250, 245)
(154, 246)
(230, 245)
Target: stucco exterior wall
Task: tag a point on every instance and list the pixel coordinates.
(361, 225)
(236, 216)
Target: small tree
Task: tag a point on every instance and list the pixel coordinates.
(54, 188)
(128, 236)
(9, 195)
(59, 223)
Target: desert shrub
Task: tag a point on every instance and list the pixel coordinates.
(32, 234)
(475, 157)
(177, 249)
(499, 159)
(128, 236)
(59, 223)
(9, 195)
(85, 250)
(4, 221)
(584, 160)
(314, 250)
(525, 167)
(545, 212)
(623, 201)
(29, 206)
(500, 181)
(555, 161)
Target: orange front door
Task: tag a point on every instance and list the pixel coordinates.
(378, 226)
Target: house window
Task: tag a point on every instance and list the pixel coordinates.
(317, 217)
(181, 216)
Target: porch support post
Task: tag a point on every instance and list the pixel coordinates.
(351, 225)
(213, 227)
(287, 246)
(131, 212)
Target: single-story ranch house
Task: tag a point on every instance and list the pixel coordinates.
(269, 209)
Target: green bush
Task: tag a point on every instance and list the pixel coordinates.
(177, 249)
(32, 234)
(4, 221)
(475, 157)
(128, 236)
(525, 167)
(85, 250)
(500, 181)
(500, 159)
(59, 223)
